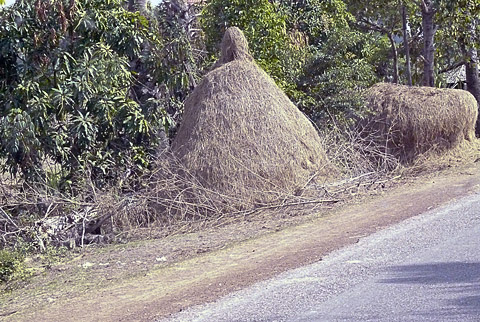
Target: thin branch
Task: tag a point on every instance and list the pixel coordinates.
(452, 67)
(8, 217)
(366, 24)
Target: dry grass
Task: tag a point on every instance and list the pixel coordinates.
(173, 201)
(170, 201)
(243, 148)
(355, 152)
(413, 120)
(467, 152)
(234, 47)
(242, 137)
(176, 201)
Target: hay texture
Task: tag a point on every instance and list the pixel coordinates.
(413, 120)
(241, 136)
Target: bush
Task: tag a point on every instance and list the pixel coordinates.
(11, 265)
(67, 90)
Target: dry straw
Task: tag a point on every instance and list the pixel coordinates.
(241, 136)
(414, 120)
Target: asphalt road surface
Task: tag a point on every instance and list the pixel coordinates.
(426, 268)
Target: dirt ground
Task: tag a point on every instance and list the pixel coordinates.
(152, 278)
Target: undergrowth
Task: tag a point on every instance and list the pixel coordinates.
(50, 221)
(164, 197)
(12, 265)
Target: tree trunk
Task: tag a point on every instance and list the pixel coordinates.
(429, 30)
(395, 58)
(471, 68)
(131, 5)
(137, 5)
(473, 83)
(406, 47)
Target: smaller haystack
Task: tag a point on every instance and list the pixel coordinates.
(241, 136)
(413, 120)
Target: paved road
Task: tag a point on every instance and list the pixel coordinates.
(426, 268)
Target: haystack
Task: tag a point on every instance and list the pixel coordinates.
(414, 120)
(241, 136)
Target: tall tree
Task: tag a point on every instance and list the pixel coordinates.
(183, 52)
(429, 28)
(460, 41)
(406, 45)
(382, 18)
(471, 64)
(339, 64)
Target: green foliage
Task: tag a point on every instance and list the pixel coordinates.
(339, 64)
(12, 265)
(265, 26)
(180, 59)
(86, 86)
(457, 29)
(66, 89)
(307, 46)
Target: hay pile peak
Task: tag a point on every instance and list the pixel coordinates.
(234, 46)
(241, 136)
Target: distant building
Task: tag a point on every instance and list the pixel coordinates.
(456, 78)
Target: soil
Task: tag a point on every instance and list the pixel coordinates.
(154, 278)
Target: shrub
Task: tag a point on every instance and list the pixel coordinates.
(67, 93)
(11, 265)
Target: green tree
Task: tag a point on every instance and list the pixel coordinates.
(384, 18)
(65, 89)
(265, 26)
(406, 44)
(182, 55)
(463, 28)
(429, 9)
(340, 61)
(307, 46)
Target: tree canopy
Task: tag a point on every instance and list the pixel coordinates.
(66, 88)
(90, 85)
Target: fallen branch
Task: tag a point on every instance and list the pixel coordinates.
(8, 217)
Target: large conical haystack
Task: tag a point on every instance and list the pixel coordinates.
(414, 120)
(241, 136)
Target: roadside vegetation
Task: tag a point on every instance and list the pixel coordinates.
(92, 95)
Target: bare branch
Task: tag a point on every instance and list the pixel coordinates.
(452, 67)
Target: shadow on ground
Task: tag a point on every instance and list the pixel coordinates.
(460, 281)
